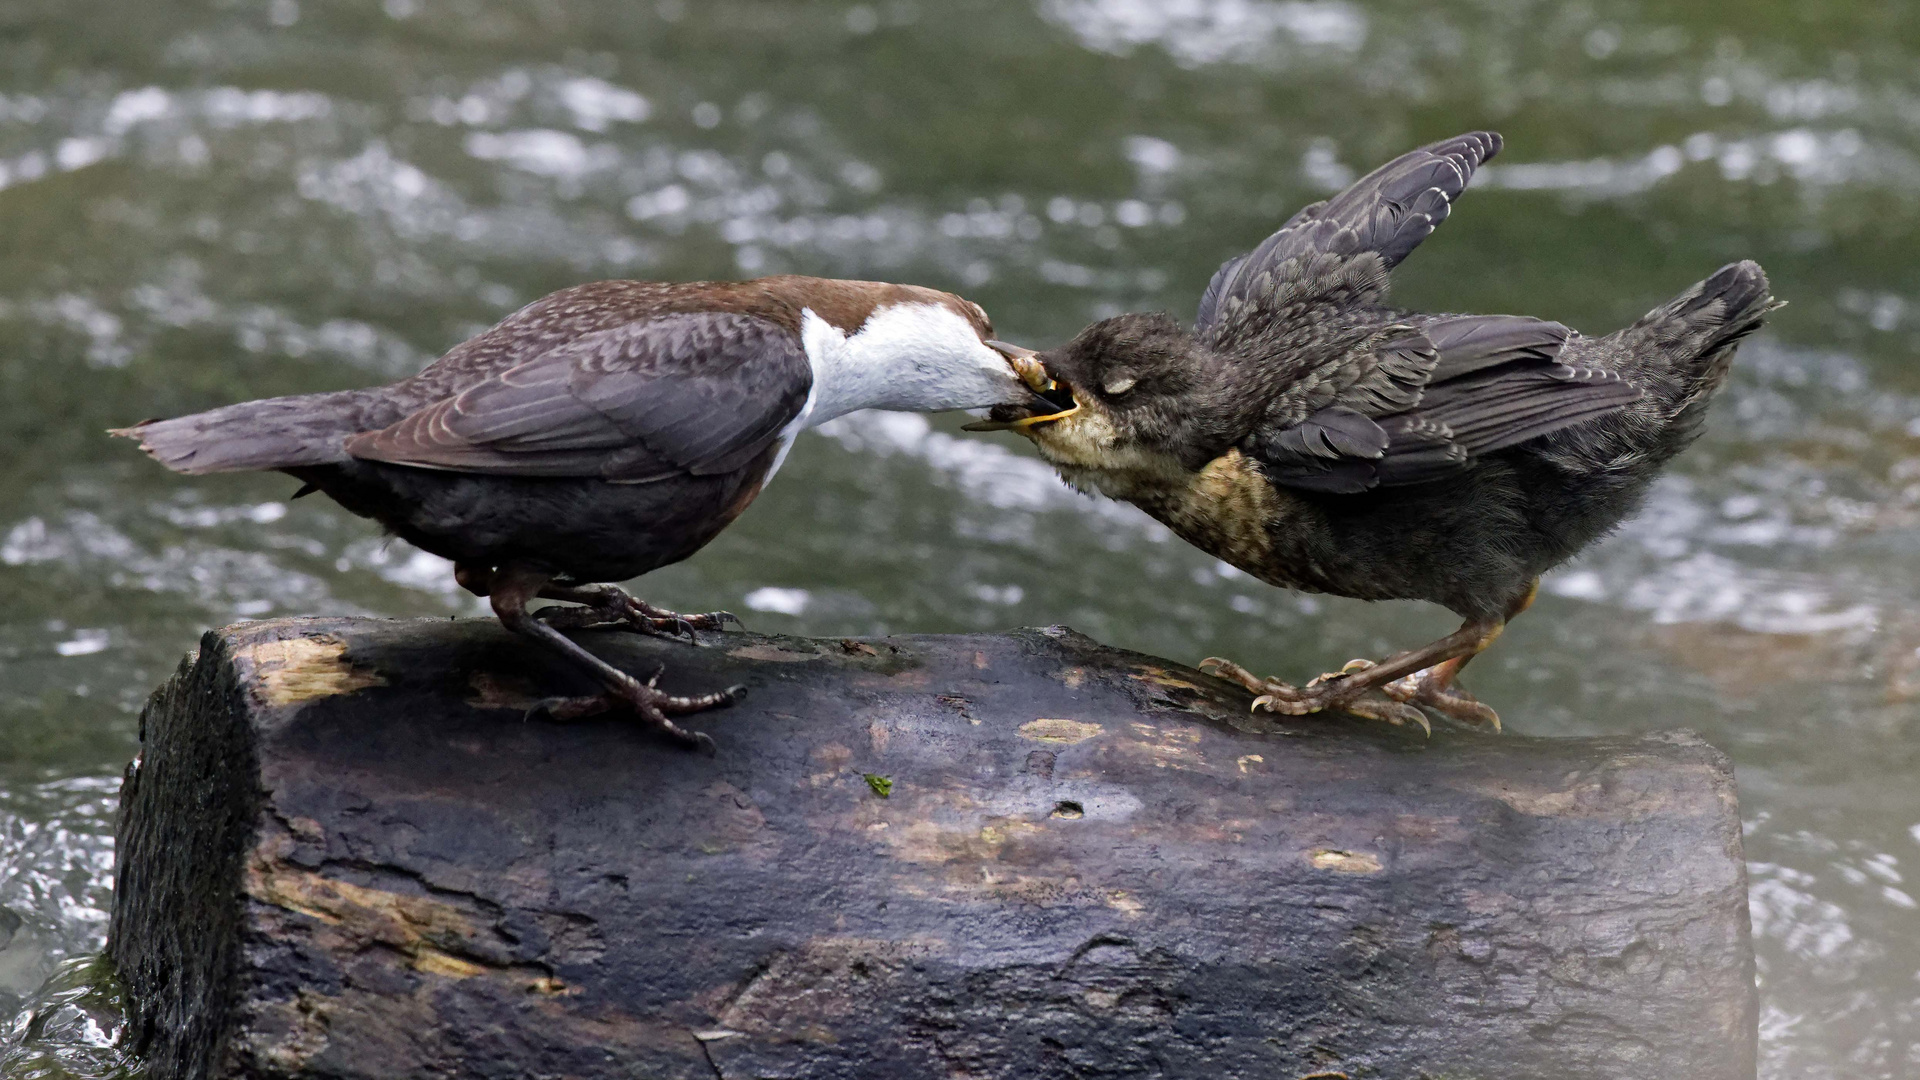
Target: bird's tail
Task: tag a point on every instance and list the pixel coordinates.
(274, 433)
(1679, 355)
(1681, 351)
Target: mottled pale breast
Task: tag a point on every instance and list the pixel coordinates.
(1228, 509)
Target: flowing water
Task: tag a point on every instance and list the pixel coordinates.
(203, 202)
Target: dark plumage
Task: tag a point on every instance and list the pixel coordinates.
(1314, 436)
(605, 431)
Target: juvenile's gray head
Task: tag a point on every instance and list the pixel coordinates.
(1131, 388)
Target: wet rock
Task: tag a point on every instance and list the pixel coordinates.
(344, 852)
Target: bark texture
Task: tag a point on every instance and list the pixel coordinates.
(345, 853)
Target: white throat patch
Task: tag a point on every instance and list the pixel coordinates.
(918, 357)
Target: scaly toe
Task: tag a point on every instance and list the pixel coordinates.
(1222, 668)
(563, 709)
(715, 620)
(680, 706)
(675, 627)
(574, 617)
(1468, 711)
(1380, 707)
(662, 621)
(648, 704)
(1449, 701)
(1290, 706)
(1406, 688)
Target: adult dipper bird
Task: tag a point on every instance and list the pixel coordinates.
(1310, 434)
(604, 431)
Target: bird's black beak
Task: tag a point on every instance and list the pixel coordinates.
(1053, 398)
(1025, 367)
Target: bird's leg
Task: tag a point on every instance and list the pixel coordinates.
(1371, 705)
(603, 606)
(511, 587)
(612, 606)
(1355, 687)
(1434, 689)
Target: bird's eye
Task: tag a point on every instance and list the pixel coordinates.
(1115, 385)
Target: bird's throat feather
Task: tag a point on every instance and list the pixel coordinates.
(1227, 508)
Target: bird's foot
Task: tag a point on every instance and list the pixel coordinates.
(1430, 690)
(1327, 692)
(646, 698)
(605, 606)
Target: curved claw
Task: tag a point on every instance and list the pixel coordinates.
(1221, 668)
(1286, 705)
(1424, 689)
(1381, 707)
(1328, 678)
(690, 625)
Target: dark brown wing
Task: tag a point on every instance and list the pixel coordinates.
(698, 393)
(1385, 213)
(1495, 382)
(1303, 313)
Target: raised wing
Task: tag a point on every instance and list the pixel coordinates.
(1385, 213)
(1495, 381)
(698, 393)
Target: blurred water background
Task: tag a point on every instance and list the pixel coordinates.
(220, 199)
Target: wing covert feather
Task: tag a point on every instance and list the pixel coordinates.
(1495, 382)
(694, 393)
(1385, 214)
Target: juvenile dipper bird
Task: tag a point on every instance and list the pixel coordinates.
(607, 430)
(1310, 434)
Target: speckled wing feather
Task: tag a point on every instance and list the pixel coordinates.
(696, 393)
(1496, 381)
(1385, 214)
(1303, 314)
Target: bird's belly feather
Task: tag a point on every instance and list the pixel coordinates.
(583, 529)
(1228, 509)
